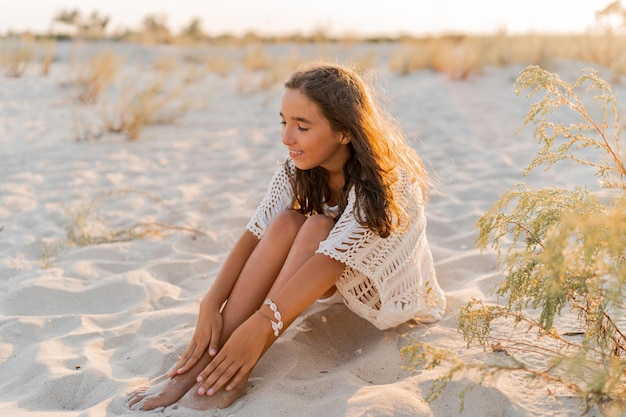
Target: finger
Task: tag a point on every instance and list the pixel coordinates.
(191, 361)
(215, 339)
(210, 377)
(222, 380)
(192, 358)
(210, 368)
(181, 361)
(239, 377)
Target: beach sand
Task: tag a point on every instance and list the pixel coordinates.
(82, 326)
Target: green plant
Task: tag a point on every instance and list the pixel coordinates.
(565, 255)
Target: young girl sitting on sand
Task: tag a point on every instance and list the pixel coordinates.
(343, 219)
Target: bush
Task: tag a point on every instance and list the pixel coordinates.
(103, 219)
(565, 253)
(15, 59)
(96, 74)
(156, 101)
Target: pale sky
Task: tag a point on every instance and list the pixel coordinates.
(361, 17)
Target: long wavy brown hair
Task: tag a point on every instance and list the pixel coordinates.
(377, 147)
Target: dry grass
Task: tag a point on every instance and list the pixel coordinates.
(104, 219)
(258, 59)
(95, 74)
(145, 102)
(409, 57)
(15, 58)
(127, 104)
(261, 65)
(47, 56)
(457, 56)
(460, 56)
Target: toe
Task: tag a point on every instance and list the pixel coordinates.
(151, 403)
(137, 397)
(137, 391)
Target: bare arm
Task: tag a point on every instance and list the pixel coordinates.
(226, 278)
(310, 282)
(248, 342)
(209, 326)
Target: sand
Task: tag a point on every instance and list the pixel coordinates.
(81, 326)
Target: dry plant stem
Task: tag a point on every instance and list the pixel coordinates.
(96, 74)
(79, 232)
(605, 143)
(517, 317)
(620, 346)
(139, 106)
(192, 230)
(528, 232)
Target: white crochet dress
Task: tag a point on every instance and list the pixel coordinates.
(387, 281)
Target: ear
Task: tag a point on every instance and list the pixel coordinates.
(345, 138)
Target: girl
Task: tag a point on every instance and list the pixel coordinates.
(343, 219)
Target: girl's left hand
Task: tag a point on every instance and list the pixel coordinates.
(237, 357)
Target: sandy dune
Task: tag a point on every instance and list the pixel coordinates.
(80, 326)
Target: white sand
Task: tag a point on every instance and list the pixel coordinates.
(99, 320)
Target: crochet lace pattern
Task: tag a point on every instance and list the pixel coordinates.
(387, 281)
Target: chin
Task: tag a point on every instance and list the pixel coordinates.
(303, 167)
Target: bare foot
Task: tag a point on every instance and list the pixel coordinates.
(166, 391)
(220, 399)
(161, 394)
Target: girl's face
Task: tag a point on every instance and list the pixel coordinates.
(308, 135)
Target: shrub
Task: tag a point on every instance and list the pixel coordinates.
(565, 253)
(47, 57)
(96, 74)
(15, 59)
(103, 219)
(140, 104)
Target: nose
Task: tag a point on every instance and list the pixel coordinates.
(286, 137)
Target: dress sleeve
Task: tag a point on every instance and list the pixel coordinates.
(363, 250)
(348, 238)
(279, 197)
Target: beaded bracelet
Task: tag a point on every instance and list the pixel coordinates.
(278, 324)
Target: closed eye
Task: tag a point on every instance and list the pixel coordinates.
(300, 128)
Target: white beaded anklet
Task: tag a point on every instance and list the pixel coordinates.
(278, 324)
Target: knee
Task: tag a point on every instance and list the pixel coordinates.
(288, 222)
(317, 227)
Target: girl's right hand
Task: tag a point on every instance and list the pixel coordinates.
(207, 334)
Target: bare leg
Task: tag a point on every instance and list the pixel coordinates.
(302, 248)
(315, 230)
(330, 292)
(253, 284)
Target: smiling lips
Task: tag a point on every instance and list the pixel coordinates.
(294, 154)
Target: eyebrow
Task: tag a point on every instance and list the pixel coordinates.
(298, 119)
